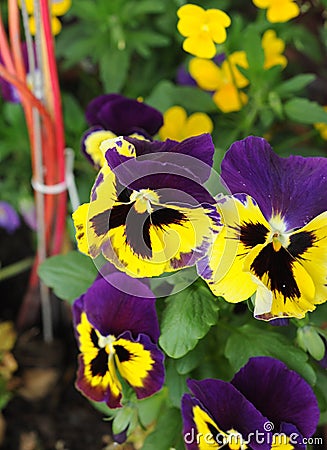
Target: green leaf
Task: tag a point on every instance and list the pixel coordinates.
(168, 432)
(175, 383)
(253, 48)
(123, 418)
(305, 111)
(310, 341)
(149, 408)
(191, 360)
(295, 84)
(187, 318)
(248, 341)
(69, 275)
(166, 94)
(113, 67)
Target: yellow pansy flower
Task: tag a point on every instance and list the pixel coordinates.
(225, 80)
(273, 48)
(279, 10)
(57, 8)
(202, 29)
(178, 126)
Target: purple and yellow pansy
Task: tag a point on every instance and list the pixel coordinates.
(262, 407)
(274, 242)
(117, 335)
(149, 212)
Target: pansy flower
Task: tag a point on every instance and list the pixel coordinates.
(282, 396)
(149, 212)
(112, 115)
(9, 219)
(262, 407)
(274, 242)
(202, 29)
(225, 80)
(117, 335)
(57, 8)
(178, 126)
(279, 10)
(273, 48)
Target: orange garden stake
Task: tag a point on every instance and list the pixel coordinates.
(46, 135)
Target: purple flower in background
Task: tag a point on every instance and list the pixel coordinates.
(261, 408)
(9, 219)
(275, 234)
(117, 333)
(112, 115)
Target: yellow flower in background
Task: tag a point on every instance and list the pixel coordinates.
(178, 126)
(225, 80)
(57, 8)
(273, 48)
(279, 10)
(322, 127)
(202, 29)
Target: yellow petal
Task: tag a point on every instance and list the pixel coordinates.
(60, 7)
(226, 259)
(136, 368)
(282, 11)
(92, 145)
(229, 99)
(262, 3)
(174, 123)
(200, 45)
(55, 25)
(196, 124)
(206, 73)
(192, 17)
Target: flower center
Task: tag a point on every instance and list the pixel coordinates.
(107, 343)
(143, 200)
(205, 28)
(278, 235)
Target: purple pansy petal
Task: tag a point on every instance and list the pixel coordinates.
(199, 148)
(174, 184)
(290, 430)
(9, 219)
(112, 311)
(230, 409)
(154, 380)
(277, 184)
(123, 115)
(279, 393)
(9, 92)
(95, 105)
(184, 78)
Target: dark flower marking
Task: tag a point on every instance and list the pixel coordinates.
(300, 242)
(137, 225)
(278, 265)
(252, 234)
(122, 353)
(99, 365)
